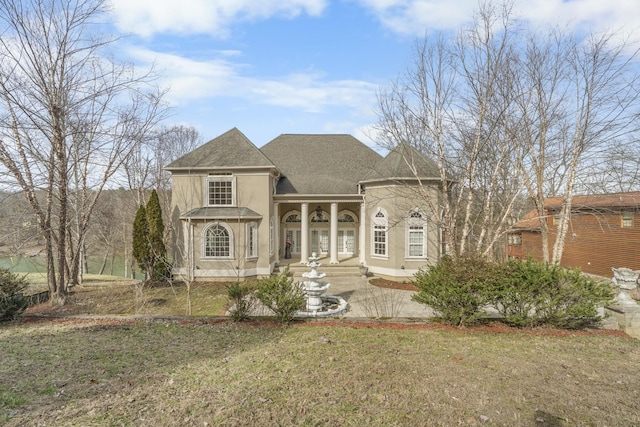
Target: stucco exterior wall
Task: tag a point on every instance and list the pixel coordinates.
(397, 201)
(253, 190)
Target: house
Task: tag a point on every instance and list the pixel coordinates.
(604, 232)
(240, 211)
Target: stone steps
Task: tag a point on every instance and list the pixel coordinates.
(330, 270)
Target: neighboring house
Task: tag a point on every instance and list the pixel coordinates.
(235, 207)
(604, 232)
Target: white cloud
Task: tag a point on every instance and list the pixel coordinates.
(413, 17)
(191, 79)
(148, 17)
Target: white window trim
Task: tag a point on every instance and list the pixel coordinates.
(203, 248)
(380, 222)
(422, 222)
(252, 247)
(626, 216)
(220, 178)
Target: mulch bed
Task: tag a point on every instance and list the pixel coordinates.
(392, 284)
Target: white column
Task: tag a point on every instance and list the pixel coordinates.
(333, 235)
(276, 230)
(304, 231)
(361, 234)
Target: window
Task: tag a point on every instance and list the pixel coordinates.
(627, 219)
(515, 239)
(346, 217)
(221, 190)
(252, 240)
(416, 241)
(272, 234)
(293, 218)
(380, 223)
(217, 241)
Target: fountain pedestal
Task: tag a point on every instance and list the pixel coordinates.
(313, 287)
(626, 280)
(319, 305)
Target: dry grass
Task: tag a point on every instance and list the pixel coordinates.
(207, 299)
(79, 373)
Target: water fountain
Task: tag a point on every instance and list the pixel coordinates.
(318, 304)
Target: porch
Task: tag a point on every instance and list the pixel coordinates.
(349, 266)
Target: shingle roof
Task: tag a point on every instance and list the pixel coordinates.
(404, 161)
(320, 164)
(222, 213)
(229, 150)
(598, 201)
(613, 202)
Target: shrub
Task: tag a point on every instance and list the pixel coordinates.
(241, 299)
(457, 288)
(12, 300)
(281, 295)
(522, 290)
(536, 293)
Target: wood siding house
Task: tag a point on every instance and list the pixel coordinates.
(236, 207)
(604, 232)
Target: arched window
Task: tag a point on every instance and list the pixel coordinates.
(218, 241)
(380, 225)
(346, 217)
(416, 234)
(293, 217)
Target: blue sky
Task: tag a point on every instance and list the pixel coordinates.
(305, 66)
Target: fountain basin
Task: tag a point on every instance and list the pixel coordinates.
(332, 305)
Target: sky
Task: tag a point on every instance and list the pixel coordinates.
(270, 67)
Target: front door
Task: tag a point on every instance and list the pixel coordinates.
(320, 241)
(293, 236)
(346, 241)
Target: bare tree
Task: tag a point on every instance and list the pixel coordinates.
(71, 116)
(577, 98)
(451, 105)
(507, 112)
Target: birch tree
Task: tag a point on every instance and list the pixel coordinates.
(578, 97)
(71, 115)
(451, 105)
(509, 113)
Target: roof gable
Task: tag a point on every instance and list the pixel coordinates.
(320, 164)
(404, 161)
(230, 150)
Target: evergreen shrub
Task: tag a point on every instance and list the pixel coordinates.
(12, 299)
(281, 295)
(525, 293)
(241, 300)
(457, 289)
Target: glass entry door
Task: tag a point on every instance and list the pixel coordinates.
(346, 241)
(320, 241)
(293, 236)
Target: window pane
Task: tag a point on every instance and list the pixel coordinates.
(217, 242)
(379, 240)
(221, 192)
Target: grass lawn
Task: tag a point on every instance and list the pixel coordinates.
(125, 298)
(207, 372)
